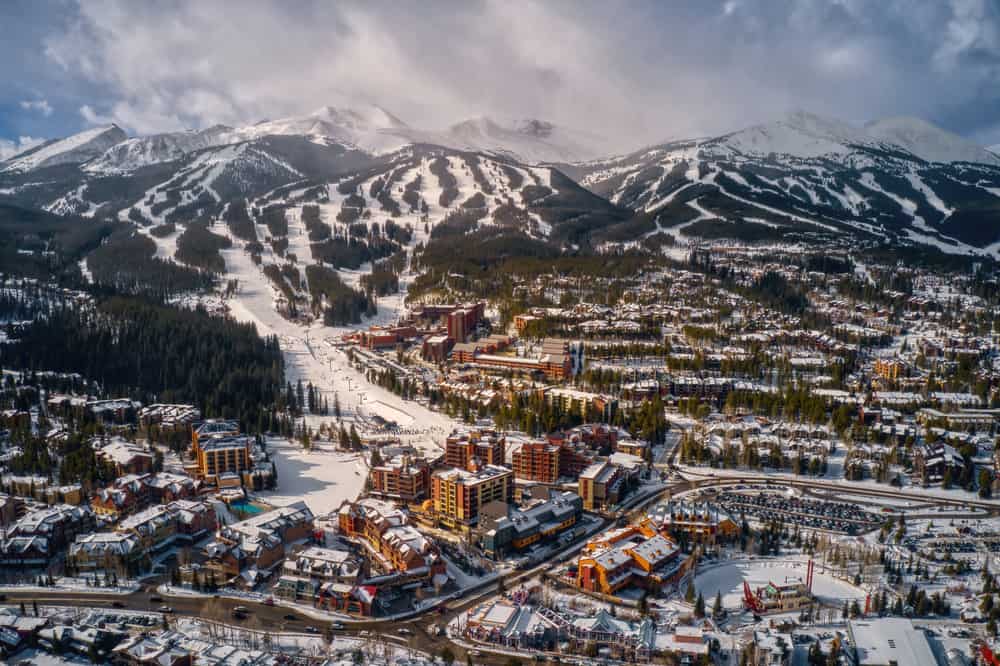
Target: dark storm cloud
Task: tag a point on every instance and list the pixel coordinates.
(628, 70)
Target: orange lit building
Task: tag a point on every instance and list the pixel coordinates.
(635, 555)
(221, 454)
(889, 368)
(459, 494)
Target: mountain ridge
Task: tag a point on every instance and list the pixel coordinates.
(804, 176)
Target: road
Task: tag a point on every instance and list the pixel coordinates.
(416, 632)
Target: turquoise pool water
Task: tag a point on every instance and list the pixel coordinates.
(246, 507)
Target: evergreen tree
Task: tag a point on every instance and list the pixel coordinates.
(699, 606)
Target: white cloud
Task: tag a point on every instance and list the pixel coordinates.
(40, 105)
(93, 117)
(9, 148)
(633, 72)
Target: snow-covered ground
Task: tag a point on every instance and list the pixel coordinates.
(75, 585)
(197, 628)
(322, 477)
(728, 578)
(312, 355)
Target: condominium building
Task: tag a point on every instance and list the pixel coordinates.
(220, 454)
(401, 478)
(600, 485)
(459, 494)
(463, 447)
(390, 539)
(537, 461)
(258, 543)
(107, 552)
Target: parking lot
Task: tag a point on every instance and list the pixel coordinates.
(829, 516)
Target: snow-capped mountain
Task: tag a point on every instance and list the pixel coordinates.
(139, 152)
(929, 142)
(528, 140)
(809, 177)
(803, 176)
(73, 149)
(800, 134)
(370, 128)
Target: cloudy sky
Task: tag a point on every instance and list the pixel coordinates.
(632, 71)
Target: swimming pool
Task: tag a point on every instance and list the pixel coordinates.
(246, 507)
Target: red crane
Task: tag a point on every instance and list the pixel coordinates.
(750, 600)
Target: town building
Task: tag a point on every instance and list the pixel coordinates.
(464, 448)
(402, 478)
(327, 578)
(255, 546)
(887, 641)
(106, 552)
(932, 461)
(633, 555)
(458, 494)
(601, 485)
(126, 457)
(218, 455)
(169, 417)
(537, 461)
(523, 528)
(700, 522)
(586, 405)
(400, 550)
(435, 348)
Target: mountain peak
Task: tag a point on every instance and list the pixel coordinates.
(928, 141)
(73, 149)
(368, 116)
(799, 134)
(528, 139)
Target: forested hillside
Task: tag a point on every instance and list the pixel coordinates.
(157, 354)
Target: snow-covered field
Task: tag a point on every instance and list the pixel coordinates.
(322, 477)
(728, 578)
